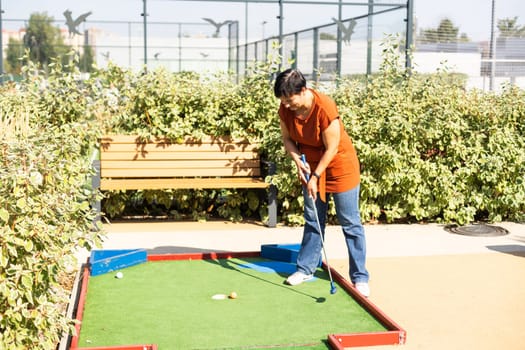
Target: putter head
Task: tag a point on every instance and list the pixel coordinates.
(333, 290)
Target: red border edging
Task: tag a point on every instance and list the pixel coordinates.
(202, 256)
(395, 334)
(124, 347)
(81, 302)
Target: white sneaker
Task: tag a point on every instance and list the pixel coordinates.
(297, 278)
(363, 288)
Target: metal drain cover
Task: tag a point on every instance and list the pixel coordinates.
(481, 230)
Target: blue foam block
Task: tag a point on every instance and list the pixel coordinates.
(103, 261)
(281, 252)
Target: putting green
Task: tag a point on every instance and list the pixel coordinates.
(169, 303)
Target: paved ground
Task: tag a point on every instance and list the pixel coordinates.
(447, 291)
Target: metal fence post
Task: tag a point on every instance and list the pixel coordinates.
(369, 37)
(145, 15)
(1, 47)
(409, 34)
(280, 30)
(339, 40)
(316, 50)
(492, 47)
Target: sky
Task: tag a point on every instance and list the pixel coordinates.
(471, 16)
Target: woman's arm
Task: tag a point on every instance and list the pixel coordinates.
(291, 147)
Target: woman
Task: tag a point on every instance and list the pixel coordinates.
(310, 125)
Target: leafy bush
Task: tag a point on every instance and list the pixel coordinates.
(45, 216)
(429, 149)
(432, 151)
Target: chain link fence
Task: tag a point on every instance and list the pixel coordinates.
(350, 47)
(176, 47)
(487, 57)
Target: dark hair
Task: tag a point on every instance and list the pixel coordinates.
(289, 82)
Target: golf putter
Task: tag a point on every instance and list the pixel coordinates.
(333, 288)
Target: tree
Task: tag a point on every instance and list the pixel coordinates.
(43, 40)
(86, 59)
(509, 28)
(446, 32)
(14, 53)
(42, 44)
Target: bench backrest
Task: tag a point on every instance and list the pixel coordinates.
(128, 157)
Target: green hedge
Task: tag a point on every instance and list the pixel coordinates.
(430, 151)
(45, 216)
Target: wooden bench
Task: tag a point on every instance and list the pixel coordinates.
(126, 163)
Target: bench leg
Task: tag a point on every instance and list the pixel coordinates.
(272, 206)
(95, 184)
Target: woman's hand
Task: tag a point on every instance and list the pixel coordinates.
(307, 179)
(304, 171)
(311, 187)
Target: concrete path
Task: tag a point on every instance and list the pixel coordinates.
(448, 291)
(382, 240)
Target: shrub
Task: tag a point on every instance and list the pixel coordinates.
(45, 216)
(429, 149)
(432, 151)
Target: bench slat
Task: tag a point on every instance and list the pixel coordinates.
(184, 164)
(195, 183)
(154, 155)
(177, 172)
(163, 147)
(205, 139)
(132, 144)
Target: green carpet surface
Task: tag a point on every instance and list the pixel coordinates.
(169, 303)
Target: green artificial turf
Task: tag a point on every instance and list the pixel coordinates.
(169, 303)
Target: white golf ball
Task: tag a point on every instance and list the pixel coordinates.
(119, 275)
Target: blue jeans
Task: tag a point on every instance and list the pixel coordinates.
(347, 209)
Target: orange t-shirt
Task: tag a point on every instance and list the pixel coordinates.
(342, 174)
